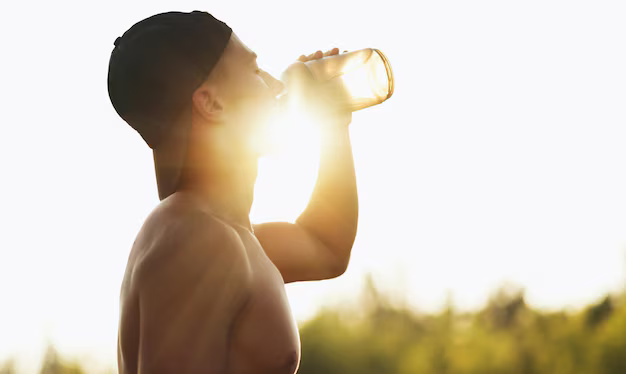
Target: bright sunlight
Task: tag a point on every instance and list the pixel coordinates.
(499, 158)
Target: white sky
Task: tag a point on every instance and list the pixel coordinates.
(500, 156)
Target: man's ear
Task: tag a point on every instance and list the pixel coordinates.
(207, 103)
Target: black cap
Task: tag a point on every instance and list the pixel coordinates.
(153, 70)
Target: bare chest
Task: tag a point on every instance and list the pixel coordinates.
(265, 337)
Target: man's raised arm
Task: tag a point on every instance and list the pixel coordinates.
(318, 245)
(332, 213)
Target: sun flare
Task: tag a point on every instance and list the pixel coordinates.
(288, 168)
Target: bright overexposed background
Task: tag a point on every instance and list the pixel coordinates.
(500, 158)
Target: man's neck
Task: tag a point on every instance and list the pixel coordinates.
(229, 196)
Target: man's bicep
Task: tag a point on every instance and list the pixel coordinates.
(297, 254)
(188, 300)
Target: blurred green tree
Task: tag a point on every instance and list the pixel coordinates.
(54, 364)
(8, 367)
(505, 337)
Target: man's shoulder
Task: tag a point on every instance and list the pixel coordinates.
(181, 218)
(179, 231)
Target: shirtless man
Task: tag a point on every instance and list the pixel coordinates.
(204, 290)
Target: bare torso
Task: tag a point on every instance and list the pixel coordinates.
(264, 337)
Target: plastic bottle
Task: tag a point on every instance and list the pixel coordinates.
(360, 78)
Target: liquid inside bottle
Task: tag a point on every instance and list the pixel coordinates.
(360, 79)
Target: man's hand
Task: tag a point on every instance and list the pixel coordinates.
(322, 100)
(317, 55)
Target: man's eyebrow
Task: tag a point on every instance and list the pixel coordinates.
(253, 56)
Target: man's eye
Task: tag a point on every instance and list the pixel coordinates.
(257, 71)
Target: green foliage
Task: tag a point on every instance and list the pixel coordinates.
(505, 337)
(8, 367)
(54, 364)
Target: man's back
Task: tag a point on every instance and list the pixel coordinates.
(201, 295)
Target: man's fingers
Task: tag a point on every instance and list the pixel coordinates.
(319, 54)
(331, 52)
(316, 55)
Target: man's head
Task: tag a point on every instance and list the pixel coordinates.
(231, 109)
(191, 89)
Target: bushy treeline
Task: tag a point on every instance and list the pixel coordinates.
(506, 336)
(52, 363)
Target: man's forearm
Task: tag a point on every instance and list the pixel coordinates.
(332, 213)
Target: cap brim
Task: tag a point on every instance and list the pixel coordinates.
(170, 157)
